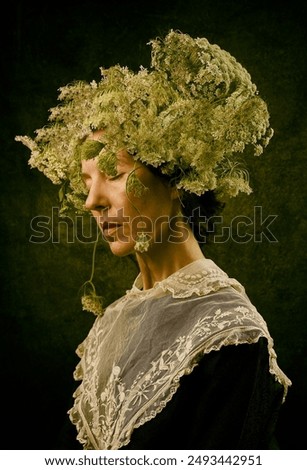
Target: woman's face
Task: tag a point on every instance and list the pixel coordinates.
(121, 216)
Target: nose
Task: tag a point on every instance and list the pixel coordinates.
(96, 199)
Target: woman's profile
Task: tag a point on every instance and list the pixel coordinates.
(183, 360)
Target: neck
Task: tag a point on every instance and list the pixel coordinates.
(163, 259)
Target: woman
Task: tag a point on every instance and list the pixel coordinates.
(183, 360)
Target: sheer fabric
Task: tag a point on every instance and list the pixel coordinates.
(230, 401)
(135, 355)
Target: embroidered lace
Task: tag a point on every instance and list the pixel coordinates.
(134, 356)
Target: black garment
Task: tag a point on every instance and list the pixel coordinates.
(135, 355)
(230, 401)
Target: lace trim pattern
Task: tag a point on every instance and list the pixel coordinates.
(199, 278)
(106, 419)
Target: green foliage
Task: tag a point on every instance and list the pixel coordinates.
(191, 114)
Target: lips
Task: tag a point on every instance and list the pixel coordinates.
(109, 228)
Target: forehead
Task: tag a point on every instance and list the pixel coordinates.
(124, 161)
(123, 157)
(95, 135)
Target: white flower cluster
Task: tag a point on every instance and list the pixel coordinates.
(142, 243)
(92, 303)
(192, 114)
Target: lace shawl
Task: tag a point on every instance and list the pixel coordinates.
(135, 354)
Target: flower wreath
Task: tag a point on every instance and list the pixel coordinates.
(192, 114)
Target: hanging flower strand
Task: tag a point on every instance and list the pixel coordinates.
(90, 301)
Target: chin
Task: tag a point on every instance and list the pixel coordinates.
(121, 249)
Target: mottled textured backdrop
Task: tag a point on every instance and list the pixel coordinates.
(42, 268)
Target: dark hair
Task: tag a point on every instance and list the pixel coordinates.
(199, 211)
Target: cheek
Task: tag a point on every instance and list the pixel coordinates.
(157, 202)
(143, 211)
(119, 201)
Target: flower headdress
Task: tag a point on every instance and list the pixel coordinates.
(192, 114)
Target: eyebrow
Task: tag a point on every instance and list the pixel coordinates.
(85, 175)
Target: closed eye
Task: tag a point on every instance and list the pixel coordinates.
(116, 177)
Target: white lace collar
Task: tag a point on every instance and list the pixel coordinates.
(134, 356)
(197, 278)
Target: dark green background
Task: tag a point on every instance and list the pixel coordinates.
(42, 322)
